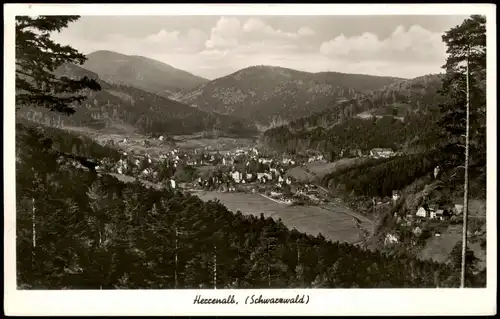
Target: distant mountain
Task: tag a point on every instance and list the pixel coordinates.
(141, 72)
(141, 111)
(268, 94)
(399, 115)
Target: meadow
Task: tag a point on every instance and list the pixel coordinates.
(314, 171)
(333, 225)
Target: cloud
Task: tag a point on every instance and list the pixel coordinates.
(413, 45)
(229, 33)
(304, 31)
(192, 41)
(227, 44)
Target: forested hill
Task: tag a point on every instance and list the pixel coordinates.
(268, 94)
(145, 112)
(112, 235)
(400, 115)
(141, 72)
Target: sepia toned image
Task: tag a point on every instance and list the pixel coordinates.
(250, 152)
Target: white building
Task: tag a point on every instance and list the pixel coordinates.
(396, 195)
(237, 176)
(264, 175)
(437, 170)
(391, 239)
(381, 152)
(173, 184)
(417, 231)
(459, 209)
(421, 212)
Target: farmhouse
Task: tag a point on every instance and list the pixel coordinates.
(459, 209)
(396, 195)
(381, 152)
(266, 176)
(391, 239)
(422, 212)
(237, 176)
(417, 231)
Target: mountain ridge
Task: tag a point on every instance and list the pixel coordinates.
(147, 112)
(271, 93)
(142, 72)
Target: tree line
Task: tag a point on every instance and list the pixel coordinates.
(78, 230)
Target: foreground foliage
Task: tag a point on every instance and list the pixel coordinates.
(95, 232)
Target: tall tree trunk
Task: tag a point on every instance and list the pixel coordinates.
(466, 182)
(33, 225)
(215, 267)
(175, 270)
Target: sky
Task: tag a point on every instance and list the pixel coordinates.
(215, 46)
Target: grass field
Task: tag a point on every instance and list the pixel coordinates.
(317, 170)
(334, 225)
(212, 144)
(439, 248)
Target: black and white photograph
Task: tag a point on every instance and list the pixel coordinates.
(226, 152)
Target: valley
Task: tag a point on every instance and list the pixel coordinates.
(267, 177)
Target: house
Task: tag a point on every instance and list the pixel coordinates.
(391, 239)
(437, 170)
(160, 138)
(248, 176)
(440, 214)
(276, 194)
(280, 179)
(381, 152)
(173, 184)
(288, 181)
(396, 195)
(417, 231)
(422, 212)
(459, 209)
(267, 176)
(236, 176)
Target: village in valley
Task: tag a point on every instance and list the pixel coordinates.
(251, 170)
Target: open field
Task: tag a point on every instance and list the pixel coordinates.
(212, 144)
(317, 170)
(331, 223)
(439, 248)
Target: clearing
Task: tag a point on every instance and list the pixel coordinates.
(332, 222)
(318, 170)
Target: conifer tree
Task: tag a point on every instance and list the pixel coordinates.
(464, 117)
(38, 56)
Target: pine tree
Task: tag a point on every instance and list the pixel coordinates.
(38, 56)
(465, 85)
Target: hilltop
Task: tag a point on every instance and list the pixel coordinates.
(270, 95)
(400, 115)
(117, 105)
(141, 72)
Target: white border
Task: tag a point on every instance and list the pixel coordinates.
(179, 302)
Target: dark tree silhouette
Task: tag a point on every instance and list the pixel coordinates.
(38, 56)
